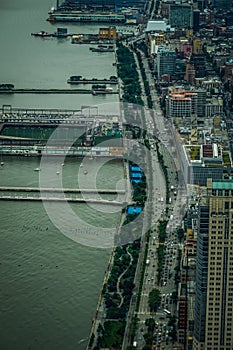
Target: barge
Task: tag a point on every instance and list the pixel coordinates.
(78, 79)
(102, 48)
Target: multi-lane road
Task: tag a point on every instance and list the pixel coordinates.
(157, 125)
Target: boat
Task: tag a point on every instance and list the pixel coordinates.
(37, 169)
(42, 34)
(82, 340)
(51, 10)
(105, 90)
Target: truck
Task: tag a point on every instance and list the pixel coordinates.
(161, 199)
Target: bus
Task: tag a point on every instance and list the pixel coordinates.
(167, 312)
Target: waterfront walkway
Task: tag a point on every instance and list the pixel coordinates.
(120, 277)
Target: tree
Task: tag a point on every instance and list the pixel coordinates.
(180, 234)
(154, 299)
(147, 347)
(150, 323)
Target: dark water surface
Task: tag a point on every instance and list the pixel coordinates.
(49, 285)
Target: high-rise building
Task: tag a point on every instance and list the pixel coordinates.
(213, 326)
(166, 61)
(221, 4)
(197, 46)
(201, 102)
(229, 70)
(196, 20)
(202, 4)
(181, 16)
(190, 73)
(200, 162)
(181, 103)
(198, 60)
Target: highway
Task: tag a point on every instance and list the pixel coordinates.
(159, 128)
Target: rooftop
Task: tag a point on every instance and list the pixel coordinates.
(222, 185)
(157, 26)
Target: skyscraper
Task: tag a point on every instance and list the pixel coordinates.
(213, 326)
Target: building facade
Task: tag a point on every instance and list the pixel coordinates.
(166, 62)
(213, 327)
(181, 16)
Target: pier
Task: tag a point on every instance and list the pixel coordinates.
(52, 115)
(76, 80)
(30, 150)
(79, 16)
(57, 195)
(11, 197)
(60, 190)
(52, 91)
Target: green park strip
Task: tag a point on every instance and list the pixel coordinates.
(127, 72)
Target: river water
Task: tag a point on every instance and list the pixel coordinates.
(49, 285)
(34, 62)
